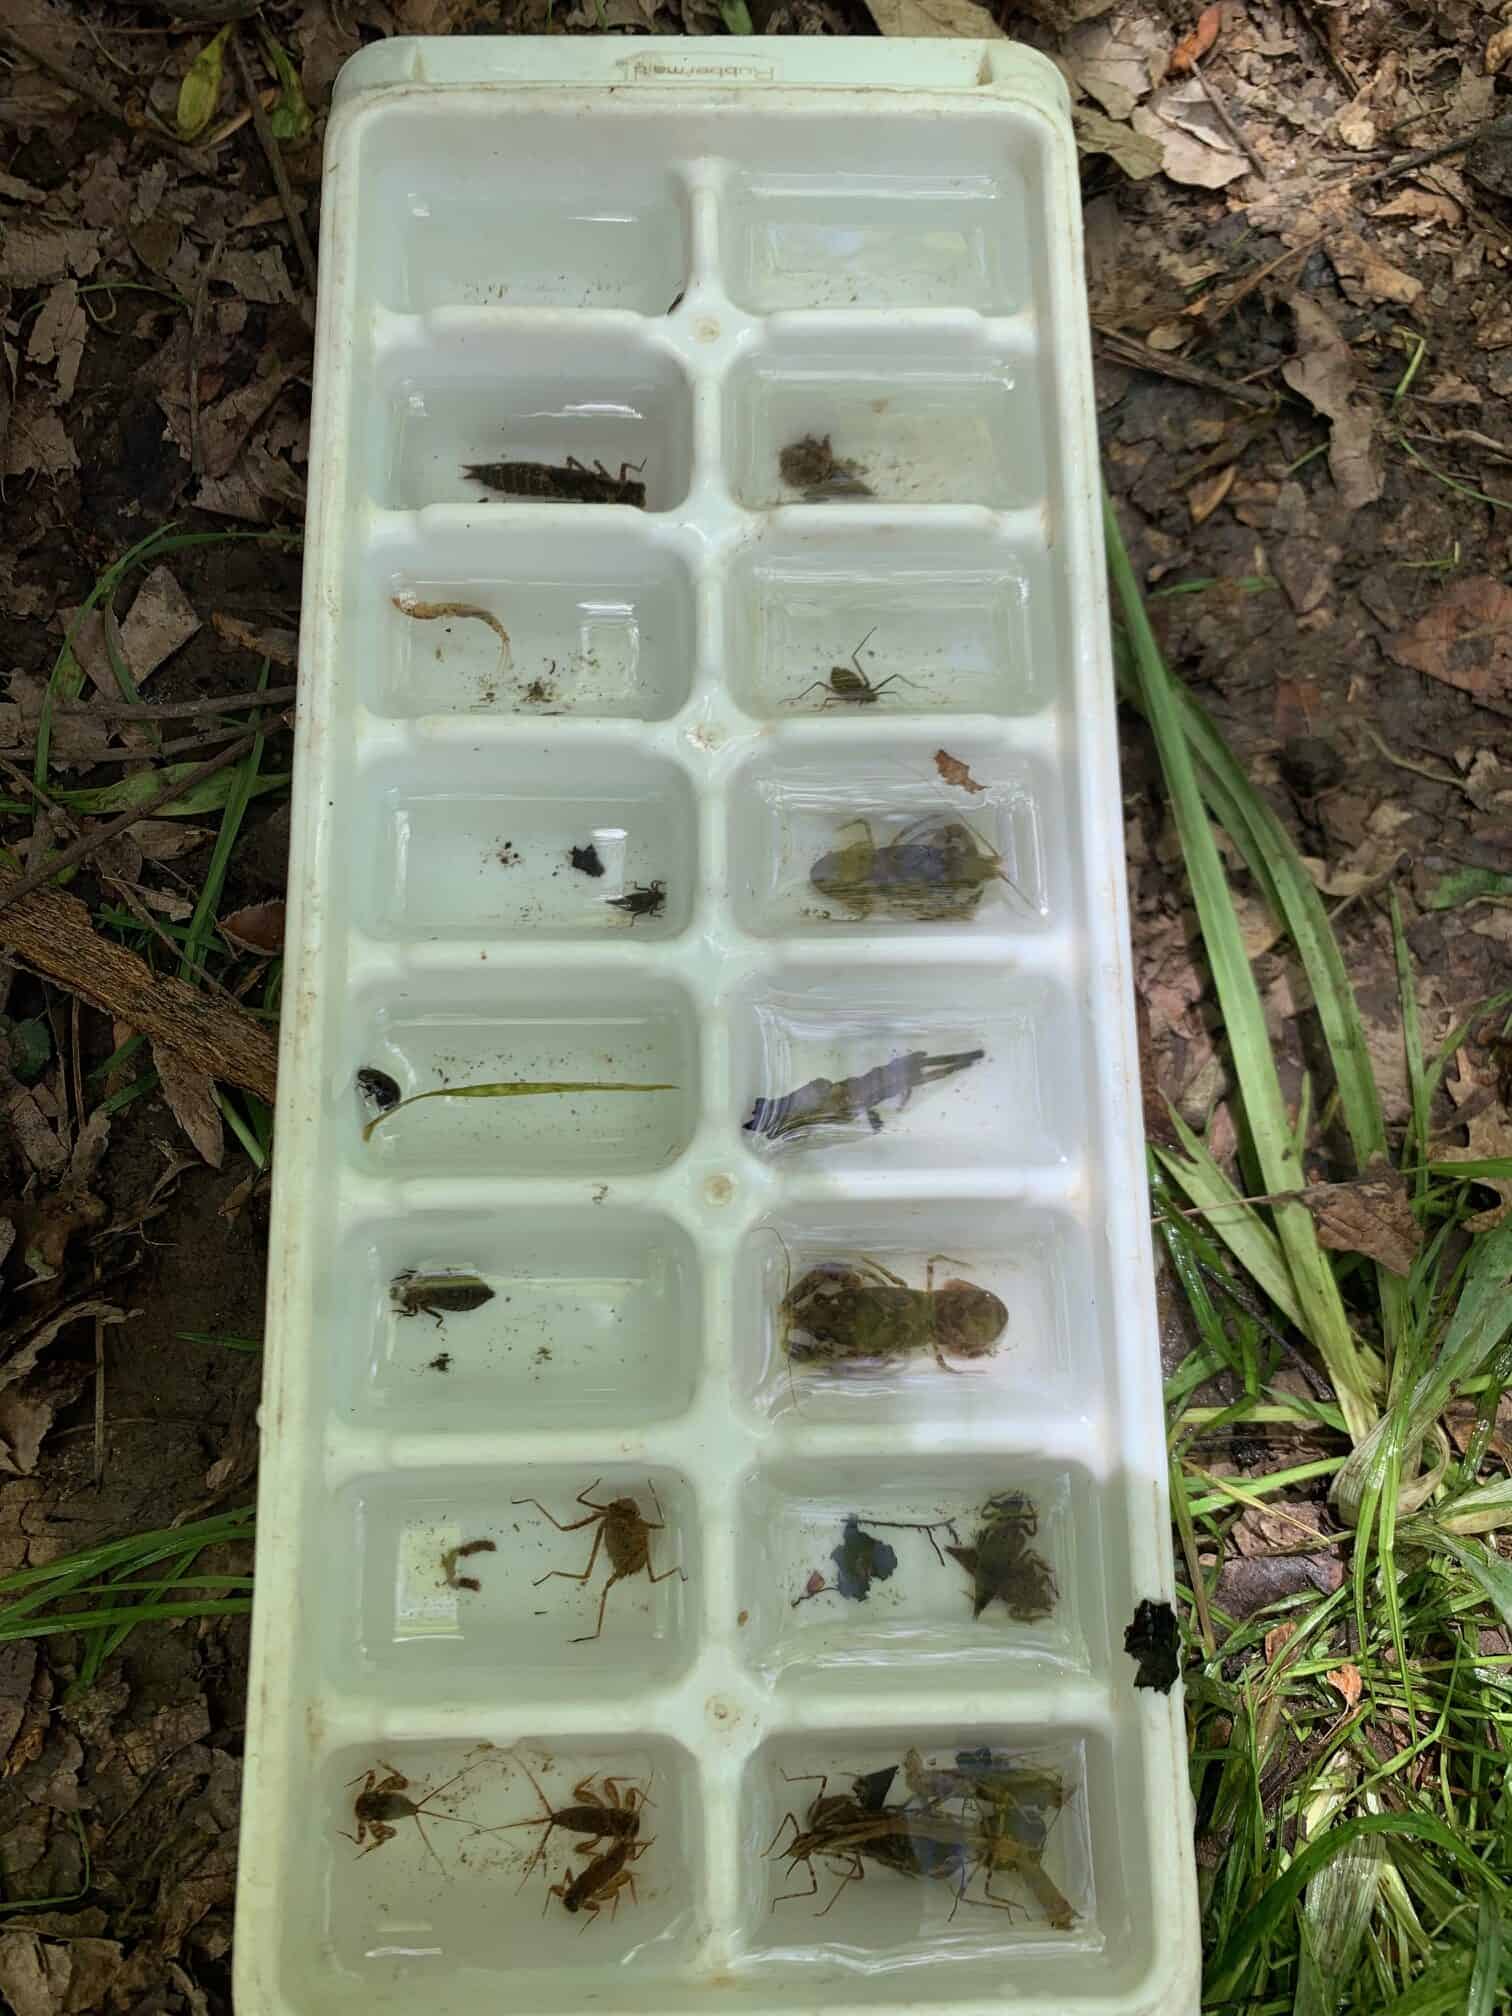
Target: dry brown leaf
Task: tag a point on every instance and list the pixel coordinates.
(191, 1097)
(258, 928)
(1465, 640)
(57, 337)
(281, 646)
(1323, 371)
(1111, 68)
(1365, 276)
(1426, 206)
(1357, 128)
(1208, 492)
(1194, 46)
(1372, 1218)
(1194, 148)
(33, 1133)
(1277, 1639)
(33, 254)
(167, 839)
(1347, 1681)
(21, 1362)
(162, 621)
(934, 17)
(37, 443)
(1499, 51)
(1137, 155)
(954, 771)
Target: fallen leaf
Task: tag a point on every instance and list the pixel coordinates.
(1138, 156)
(1323, 371)
(259, 276)
(199, 93)
(1208, 493)
(954, 771)
(1107, 67)
(1346, 1679)
(21, 1362)
(162, 621)
(281, 646)
(26, 1414)
(1194, 46)
(1357, 126)
(1372, 1218)
(1364, 275)
(57, 336)
(36, 443)
(34, 255)
(1428, 206)
(191, 1098)
(1499, 51)
(1277, 1639)
(935, 17)
(167, 839)
(1464, 640)
(33, 1133)
(1194, 147)
(258, 928)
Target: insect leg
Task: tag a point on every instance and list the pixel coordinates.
(567, 1574)
(571, 1528)
(852, 1875)
(597, 1631)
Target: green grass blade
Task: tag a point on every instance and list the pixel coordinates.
(243, 782)
(1324, 1318)
(1485, 1975)
(1232, 1964)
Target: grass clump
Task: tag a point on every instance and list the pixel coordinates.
(1348, 1749)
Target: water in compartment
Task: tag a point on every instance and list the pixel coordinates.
(478, 397)
(583, 1316)
(1040, 1369)
(441, 231)
(602, 1026)
(842, 239)
(463, 1894)
(992, 1879)
(962, 622)
(854, 1573)
(412, 1623)
(863, 1068)
(596, 621)
(544, 840)
(883, 841)
(817, 420)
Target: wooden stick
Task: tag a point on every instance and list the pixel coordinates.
(52, 932)
(179, 710)
(276, 167)
(82, 848)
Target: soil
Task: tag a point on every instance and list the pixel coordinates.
(1354, 357)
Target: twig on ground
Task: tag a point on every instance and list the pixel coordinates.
(1417, 769)
(123, 888)
(280, 174)
(81, 87)
(1226, 120)
(52, 932)
(1426, 155)
(1129, 350)
(82, 848)
(178, 710)
(196, 320)
(184, 746)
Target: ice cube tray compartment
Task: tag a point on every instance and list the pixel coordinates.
(592, 1316)
(601, 617)
(526, 1246)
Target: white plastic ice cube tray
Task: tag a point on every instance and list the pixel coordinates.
(687, 255)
